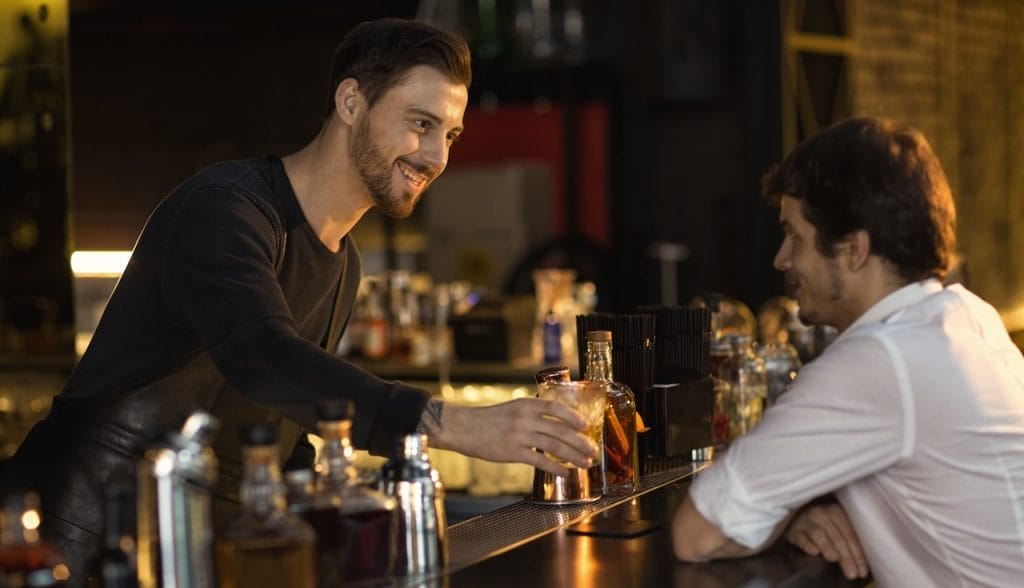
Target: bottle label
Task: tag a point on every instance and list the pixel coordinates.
(552, 339)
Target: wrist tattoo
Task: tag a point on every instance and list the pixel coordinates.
(430, 421)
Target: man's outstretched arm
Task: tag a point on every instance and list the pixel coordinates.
(510, 432)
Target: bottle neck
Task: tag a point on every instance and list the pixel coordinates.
(599, 361)
(335, 465)
(262, 490)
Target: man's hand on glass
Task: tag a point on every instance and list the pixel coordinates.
(512, 432)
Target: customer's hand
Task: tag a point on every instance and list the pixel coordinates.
(509, 432)
(825, 530)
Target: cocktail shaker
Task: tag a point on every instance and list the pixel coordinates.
(409, 478)
(175, 535)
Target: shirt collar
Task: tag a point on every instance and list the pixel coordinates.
(906, 296)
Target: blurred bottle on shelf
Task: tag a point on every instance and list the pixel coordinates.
(720, 355)
(781, 362)
(265, 545)
(748, 385)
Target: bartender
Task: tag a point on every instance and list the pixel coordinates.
(913, 418)
(240, 286)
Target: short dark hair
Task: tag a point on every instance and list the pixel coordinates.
(880, 176)
(378, 54)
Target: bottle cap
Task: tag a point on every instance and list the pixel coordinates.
(259, 434)
(335, 410)
(599, 335)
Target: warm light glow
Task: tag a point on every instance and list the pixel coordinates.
(1013, 319)
(61, 572)
(99, 264)
(30, 519)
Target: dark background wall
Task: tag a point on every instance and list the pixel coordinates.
(690, 88)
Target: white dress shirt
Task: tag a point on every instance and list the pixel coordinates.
(914, 417)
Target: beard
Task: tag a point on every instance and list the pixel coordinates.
(377, 173)
(816, 314)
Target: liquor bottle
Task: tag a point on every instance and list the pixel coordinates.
(265, 545)
(375, 324)
(552, 337)
(720, 355)
(748, 385)
(355, 525)
(619, 467)
(115, 566)
(298, 489)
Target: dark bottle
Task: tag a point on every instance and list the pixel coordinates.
(265, 545)
(355, 525)
(619, 467)
(115, 566)
(552, 337)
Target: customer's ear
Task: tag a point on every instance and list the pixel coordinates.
(854, 249)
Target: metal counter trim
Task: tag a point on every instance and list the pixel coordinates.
(494, 533)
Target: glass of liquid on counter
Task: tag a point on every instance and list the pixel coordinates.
(585, 397)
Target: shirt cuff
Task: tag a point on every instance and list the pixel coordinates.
(721, 497)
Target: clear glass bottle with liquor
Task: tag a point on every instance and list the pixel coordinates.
(619, 466)
(748, 385)
(721, 354)
(298, 488)
(265, 545)
(355, 525)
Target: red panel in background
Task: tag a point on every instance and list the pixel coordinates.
(521, 132)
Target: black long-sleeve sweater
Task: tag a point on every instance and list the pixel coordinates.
(231, 304)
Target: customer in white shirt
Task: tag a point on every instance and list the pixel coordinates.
(913, 418)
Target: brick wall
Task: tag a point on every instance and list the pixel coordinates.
(955, 70)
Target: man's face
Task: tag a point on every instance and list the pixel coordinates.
(401, 144)
(814, 279)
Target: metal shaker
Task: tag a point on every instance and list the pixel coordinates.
(175, 536)
(422, 545)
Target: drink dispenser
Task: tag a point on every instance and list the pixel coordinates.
(174, 526)
(422, 530)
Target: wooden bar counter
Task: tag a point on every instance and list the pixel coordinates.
(537, 546)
